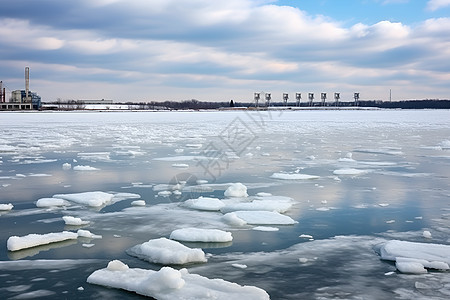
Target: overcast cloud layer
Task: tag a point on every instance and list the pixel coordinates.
(141, 50)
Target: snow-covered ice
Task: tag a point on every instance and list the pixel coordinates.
(87, 234)
(94, 199)
(237, 190)
(84, 168)
(15, 243)
(201, 235)
(204, 203)
(411, 257)
(278, 204)
(293, 176)
(165, 251)
(138, 203)
(74, 221)
(51, 202)
(169, 284)
(263, 218)
(350, 171)
(6, 207)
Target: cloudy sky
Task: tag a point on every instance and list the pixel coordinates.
(143, 50)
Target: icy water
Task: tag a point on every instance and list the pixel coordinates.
(377, 176)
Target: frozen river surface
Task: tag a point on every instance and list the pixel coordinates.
(301, 205)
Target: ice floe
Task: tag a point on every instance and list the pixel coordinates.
(168, 284)
(73, 221)
(97, 198)
(293, 176)
(138, 203)
(87, 234)
(273, 203)
(165, 251)
(412, 257)
(52, 202)
(15, 243)
(66, 166)
(201, 235)
(204, 203)
(350, 171)
(263, 218)
(237, 190)
(85, 168)
(6, 207)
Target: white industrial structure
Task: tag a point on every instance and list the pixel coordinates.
(20, 99)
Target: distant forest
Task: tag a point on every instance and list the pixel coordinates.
(195, 104)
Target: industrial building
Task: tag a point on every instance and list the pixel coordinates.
(20, 99)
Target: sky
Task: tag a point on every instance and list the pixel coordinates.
(157, 50)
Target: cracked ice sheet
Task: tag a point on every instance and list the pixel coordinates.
(347, 262)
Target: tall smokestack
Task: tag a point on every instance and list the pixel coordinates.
(1, 91)
(27, 81)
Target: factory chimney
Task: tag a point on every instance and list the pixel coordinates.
(27, 81)
(1, 91)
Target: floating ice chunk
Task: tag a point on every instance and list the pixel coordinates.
(5, 207)
(94, 199)
(87, 245)
(409, 255)
(168, 284)
(294, 176)
(281, 205)
(383, 204)
(239, 266)
(303, 260)
(323, 208)
(69, 220)
(350, 171)
(410, 267)
(138, 203)
(165, 251)
(233, 219)
(201, 235)
(52, 202)
(306, 236)
(390, 221)
(426, 234)
(237, 190)
(265, 228)
(15, 243)
(84, 168)
(204, 203)
(66, 166)
(264, 218)
(202, 181)
(445, 144)
(88, 234)
(116, 265)
(165, 193)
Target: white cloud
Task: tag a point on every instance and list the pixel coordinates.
(437, 4)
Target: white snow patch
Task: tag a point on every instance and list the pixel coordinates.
(204, 203)
(264, 218)
(306, 236)
(350, 171)
(236, 190)
(411, 257)
(426, 234)
(52, 202)
(233, 219)
(165, 251)
(265, 228)
(6, 207)
(181, 166)
(69, 220)
(15, 243)
(201, 235)
(66, 166)
(88, 234)
(84, 168)
(94, 199)
(278, 204)
(239, 266)
(294, 176)
(138, 203)
(168, 284)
